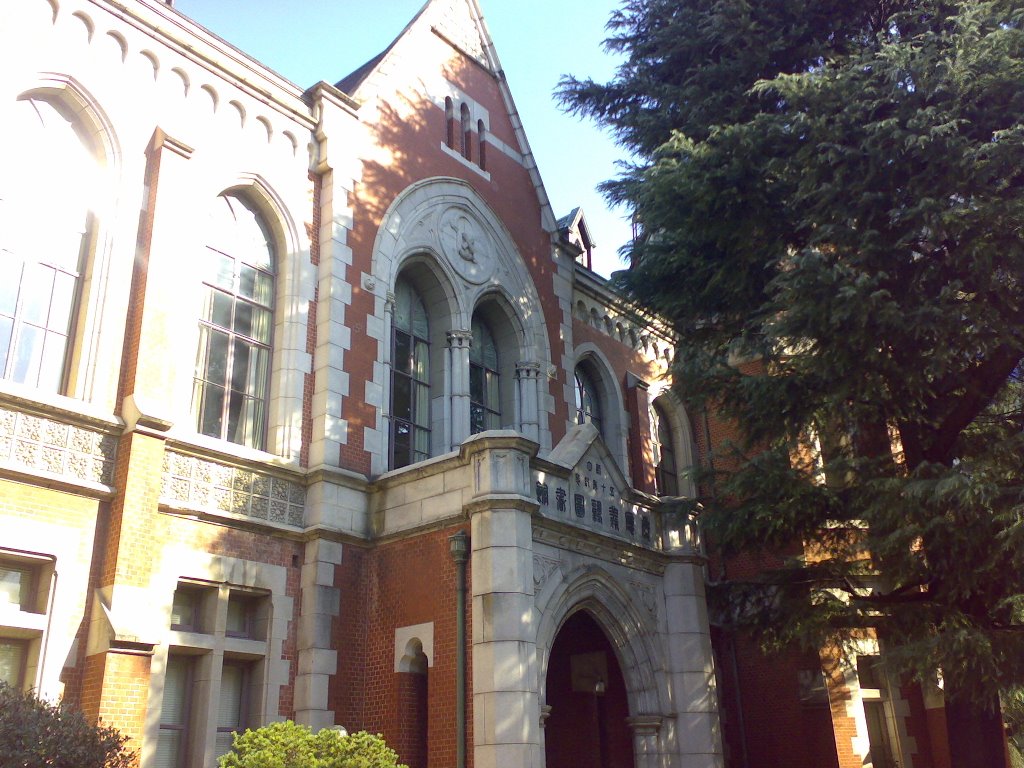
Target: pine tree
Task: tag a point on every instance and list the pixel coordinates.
(832, 201)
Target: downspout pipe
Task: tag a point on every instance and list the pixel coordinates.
(458, 545)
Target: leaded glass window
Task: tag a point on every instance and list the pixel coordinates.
(410, 378)
(232, 377)
(48, 180)
(588, 405)
(484, 396)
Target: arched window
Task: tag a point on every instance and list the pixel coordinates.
(484, 394)
(467, 132)
(449, 122)
(48, 177)
(232, 377)
(410, 378)
(588, 404)
(481, 135)
(666, 470)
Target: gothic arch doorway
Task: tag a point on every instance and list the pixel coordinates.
(586, 726)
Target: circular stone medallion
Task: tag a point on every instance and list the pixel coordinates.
(466, 246)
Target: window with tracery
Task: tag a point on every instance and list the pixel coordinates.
(232, 376)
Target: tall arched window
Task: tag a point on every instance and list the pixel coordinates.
(410, 378)
(588, 403)
(449, 122)
(467, 132)
(232, 377)
(48, 177)
(666, 470)
(481, 136)
(484, 394)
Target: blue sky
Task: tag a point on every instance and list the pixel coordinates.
(537, 41)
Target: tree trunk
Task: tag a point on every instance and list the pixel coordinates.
(975, 730)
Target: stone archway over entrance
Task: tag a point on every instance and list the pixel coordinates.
(586, 724)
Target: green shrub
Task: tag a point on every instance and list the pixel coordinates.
(289, 745)
(36, 734)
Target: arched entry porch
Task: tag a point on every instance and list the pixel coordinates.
(586, 719)
(587, 611)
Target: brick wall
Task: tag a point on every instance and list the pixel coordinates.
(397, 584)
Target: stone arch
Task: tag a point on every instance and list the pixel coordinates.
(82, 110)
(425, 217)
(413, 659)
(591, 588)
(441, 224)
(273, 207)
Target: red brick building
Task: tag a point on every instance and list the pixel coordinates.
(311, 408)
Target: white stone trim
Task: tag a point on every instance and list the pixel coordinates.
(411, 233)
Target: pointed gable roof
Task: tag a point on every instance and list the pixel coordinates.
(461, 24)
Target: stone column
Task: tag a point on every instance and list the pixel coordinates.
(459, 343)
(690, 666)
(528, 399)
(317, 659)
(506, 699)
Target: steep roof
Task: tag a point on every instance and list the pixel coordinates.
(461, 24)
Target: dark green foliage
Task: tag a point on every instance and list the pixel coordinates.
(832, 192)
(35, 734)
(288, 745)
(1013, 713)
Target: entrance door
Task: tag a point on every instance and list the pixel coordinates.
(586, 727)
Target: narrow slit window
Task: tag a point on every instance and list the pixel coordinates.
(481, 138)
(467, 132)
(449, 122)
